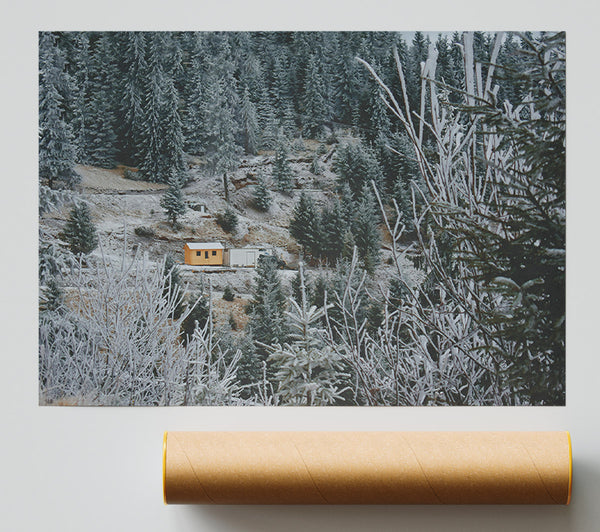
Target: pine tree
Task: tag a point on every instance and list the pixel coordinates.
(227, 220)
(133, 80)
(100, 137)
(161, 147)
(249, 124)
(333, 227)
(366, 232)
(282, 171)
(266, 309)
(52, 298)
(261, 195)
(80, 231)
(80, 78)
(314, 104)
(194, 108)
(305, 225)
(172, 200)
(219, 127)
(357, 166)
(228, 294)
(56, 150)
(307, 372)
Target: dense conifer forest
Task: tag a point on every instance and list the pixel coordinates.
(410, 191)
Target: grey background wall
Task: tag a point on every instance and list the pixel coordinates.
(97, 469)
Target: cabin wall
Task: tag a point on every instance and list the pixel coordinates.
(194, 259)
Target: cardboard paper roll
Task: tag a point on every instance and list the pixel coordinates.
(367, 467)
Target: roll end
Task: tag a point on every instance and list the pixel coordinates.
(164, 467)
(570, 467)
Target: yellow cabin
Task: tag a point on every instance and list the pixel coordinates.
(203, 254)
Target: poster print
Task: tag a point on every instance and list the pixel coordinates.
(309, 218)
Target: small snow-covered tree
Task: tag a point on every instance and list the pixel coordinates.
(261, 194)
(80, 231)
(282, 171)
(172, 200)
(308, 372)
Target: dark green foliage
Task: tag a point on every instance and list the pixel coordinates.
(366, 232)
(356, 166)
(227, 220)
(228, 294)
(172, 200)
(526, 260)
(282, 171)
(99, 119)
(161, 145)
(266, 309)
(250, 127)
(56, 150)
(261, 195)
(333, 225)
(314, 105)
(145, 232)
(305, 226)
(374, 317)
(52, 298)
(132, 79)
(80, 231)
(197, 317)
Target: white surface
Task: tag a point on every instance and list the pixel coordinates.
(99, 469)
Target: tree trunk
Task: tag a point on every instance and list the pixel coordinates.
(226, 186)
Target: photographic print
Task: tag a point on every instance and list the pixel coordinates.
(302, 218)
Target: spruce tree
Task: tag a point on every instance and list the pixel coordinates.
(261, 195)
(305, 225)
(56, 150)
(100, 137)
(220, 127)
(314, 103)
(333, 227)
(366, 232)
(161, 147)
(282, 171)
(172, 200)
(80, 231)
(357, 166)
(249, 124)
(307, 371)
(133, 80)
(267, 309)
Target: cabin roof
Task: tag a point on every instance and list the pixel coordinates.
(204, 245)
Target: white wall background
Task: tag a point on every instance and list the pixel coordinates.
(99, 469)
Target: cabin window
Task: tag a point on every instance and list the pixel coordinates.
(214, 253)
(198, 253)
(206, 254)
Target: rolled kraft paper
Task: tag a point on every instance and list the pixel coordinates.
(367, 467)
